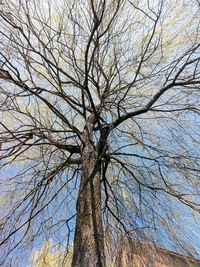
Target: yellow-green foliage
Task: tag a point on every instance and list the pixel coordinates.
(48, 256)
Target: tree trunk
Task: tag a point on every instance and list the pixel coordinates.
(89, 237)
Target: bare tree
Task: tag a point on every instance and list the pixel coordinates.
(99, 125)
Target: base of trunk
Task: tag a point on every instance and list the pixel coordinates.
(89, 237)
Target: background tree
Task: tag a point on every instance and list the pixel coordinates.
(100, 124)
(50, 256)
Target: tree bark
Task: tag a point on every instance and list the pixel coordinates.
(89, 237)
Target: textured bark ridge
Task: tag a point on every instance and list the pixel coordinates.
(89, 244)
(89, 237)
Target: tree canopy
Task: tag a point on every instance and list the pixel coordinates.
(99, 124)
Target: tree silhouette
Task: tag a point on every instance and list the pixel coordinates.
(99, 124)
